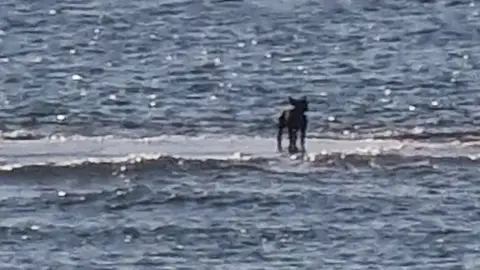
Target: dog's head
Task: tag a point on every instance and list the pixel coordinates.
(299, 104)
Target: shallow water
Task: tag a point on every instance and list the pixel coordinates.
(140, 135)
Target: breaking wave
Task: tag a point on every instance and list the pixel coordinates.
(169, 152)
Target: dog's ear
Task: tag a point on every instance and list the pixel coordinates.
(305, 103)
(291, 100)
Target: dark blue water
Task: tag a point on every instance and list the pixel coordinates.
(390, 181)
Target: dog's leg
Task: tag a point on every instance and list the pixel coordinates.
(303, 132)
(281, 126)
(290, 140)
(292, 136)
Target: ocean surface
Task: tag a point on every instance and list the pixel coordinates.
(141, 134)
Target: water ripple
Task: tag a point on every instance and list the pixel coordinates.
(402, 73)
(237, 52)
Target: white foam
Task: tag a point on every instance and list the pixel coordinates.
(76, 150)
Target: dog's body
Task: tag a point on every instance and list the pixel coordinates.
(294, 120)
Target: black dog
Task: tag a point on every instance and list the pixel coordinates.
(295, 120)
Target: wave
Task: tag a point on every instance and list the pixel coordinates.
(163, 152)
(417, 133)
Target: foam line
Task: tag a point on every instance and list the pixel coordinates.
(108, 149)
